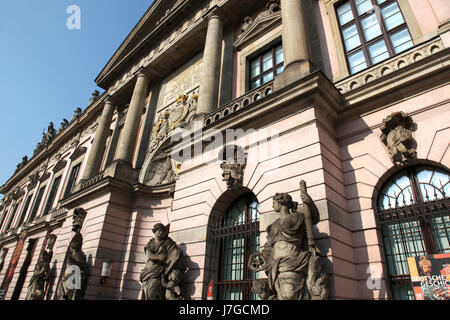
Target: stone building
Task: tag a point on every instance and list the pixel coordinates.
(352, 96)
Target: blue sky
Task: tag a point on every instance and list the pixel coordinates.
(47, 70)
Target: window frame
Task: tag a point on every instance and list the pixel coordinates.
(414, 221)
(52, 195)
(259, 56)
(340, 70)
(247, 231)
(68, 184)
(25, 209)
(365, 45)
(37, 203)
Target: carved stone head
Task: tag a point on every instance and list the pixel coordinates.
(78, 218)
(233, 165)
(397, 135)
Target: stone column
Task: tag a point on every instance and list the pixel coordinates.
(98, 146)
(130, 130)
(295, 38)
(210, 77)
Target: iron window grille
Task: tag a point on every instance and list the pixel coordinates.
(413, 215)
(372, 31)
(233, 239)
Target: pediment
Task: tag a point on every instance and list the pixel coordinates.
(78, 153)
(61, 164)
(151, 19)
(263, 23)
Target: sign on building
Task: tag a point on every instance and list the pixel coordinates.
(430, 276)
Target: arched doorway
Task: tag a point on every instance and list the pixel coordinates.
(232, 238)
(413, 216)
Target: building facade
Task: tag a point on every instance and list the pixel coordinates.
(352, 96)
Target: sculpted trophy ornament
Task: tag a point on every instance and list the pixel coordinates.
(41, 275)
(397, 136)
(74, 275)
(160, 278)
(290, 258)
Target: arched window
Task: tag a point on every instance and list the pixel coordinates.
(234, 238)
(413, 215)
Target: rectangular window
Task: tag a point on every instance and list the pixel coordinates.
(72, 180)
(5, 213)
(37, 203)
(372, 31)
(265, 66)
(24, 210)
(51, 197)
(11, 218)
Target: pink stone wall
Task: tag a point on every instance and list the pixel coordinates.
(365, 160)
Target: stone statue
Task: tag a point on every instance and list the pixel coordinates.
(233, 166)
(46, 138)
(290, 258)
(74, 275)
(94, 97)
(162, 255)
(397, 136)
(64, 124)
(41, 275)
(22, 164)
(77, 113)
(172, 285)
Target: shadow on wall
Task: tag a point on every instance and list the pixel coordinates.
(361, 256)
(53, 275)
(187, 286)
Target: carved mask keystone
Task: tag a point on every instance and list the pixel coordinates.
(397, 136)
(233, 165)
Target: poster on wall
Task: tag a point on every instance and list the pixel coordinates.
(430, 276)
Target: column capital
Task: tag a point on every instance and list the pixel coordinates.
(142, 73)
(215, 12)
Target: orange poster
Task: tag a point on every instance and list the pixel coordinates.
(430, 276)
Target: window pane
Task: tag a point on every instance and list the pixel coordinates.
(371, 28)
(268, 77)
(401, 41)
(345, 13)
(378, 52)
(381, 1)
(357, 61)
(392, 16)
(255, 84)
(279, 56)
(267, 61)
(254, 68)
(351, 38)
(279, 69)
(362, 6)
(440, 227)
